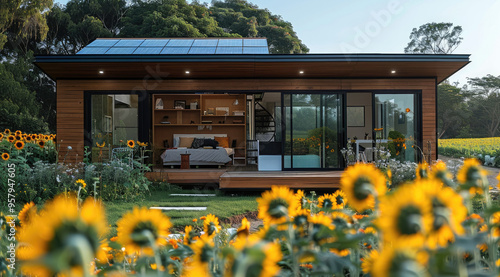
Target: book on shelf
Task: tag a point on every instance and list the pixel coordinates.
(165, 122)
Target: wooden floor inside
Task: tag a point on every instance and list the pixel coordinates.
(238, 178)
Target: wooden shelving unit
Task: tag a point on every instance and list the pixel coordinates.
(194, 121)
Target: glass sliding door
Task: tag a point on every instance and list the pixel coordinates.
(114, 120)
(397, 115)
(312, 130)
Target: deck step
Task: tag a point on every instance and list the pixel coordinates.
(193, 194)
(180, 208)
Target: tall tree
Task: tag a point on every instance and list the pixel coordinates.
(24, 18)
(434, 38)
(452, 110)
(485, 105)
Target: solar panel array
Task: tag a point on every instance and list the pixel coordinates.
(175, 46)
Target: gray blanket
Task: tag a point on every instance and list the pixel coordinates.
(201, 156)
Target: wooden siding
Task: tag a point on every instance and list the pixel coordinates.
(70, 94)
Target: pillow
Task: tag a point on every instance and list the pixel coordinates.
(185, 141)
(223, 141)
(197, 143)
(176, 142)
(210, 142)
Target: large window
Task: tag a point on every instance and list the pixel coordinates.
(312, 130)
(397, 115)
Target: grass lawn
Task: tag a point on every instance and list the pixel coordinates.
(222, 206)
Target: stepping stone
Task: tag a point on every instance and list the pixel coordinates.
(187, 194)
(180, 208)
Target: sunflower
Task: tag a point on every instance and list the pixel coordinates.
(258, 257)
(495, 222)
(100, 145)
(327, 201)
(321, 219)
(448, 212)
(27, 213)
(58, 229)
(399, 262)
(18, 137)
(1, 136)
(202, 258)
(362, 183)
(11, 138)
(80, 182)
(300, 220)
(28, 138)
(142, 144)
(277, 205)
(472, 175)
(301, 199)
(7, 132)
(244, 229)
(190, 235)
(18, 133)
(19, 145)
(405, 217)
(5, 156)
(136, 228)
(131, 143)
(340, 199)
(41, 143)
(422, 171)
(211, 225)
(341, 220)
(368, 261)
(440, 172)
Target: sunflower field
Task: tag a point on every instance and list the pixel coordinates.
(471, 148)
(428, 227)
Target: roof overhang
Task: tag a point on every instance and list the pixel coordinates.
(252, 66)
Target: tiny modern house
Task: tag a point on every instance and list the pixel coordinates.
(271, 112)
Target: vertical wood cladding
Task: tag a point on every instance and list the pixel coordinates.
(70, 103)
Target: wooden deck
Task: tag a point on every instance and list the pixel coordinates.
(236, 179)
(292, 179)
(186, 176)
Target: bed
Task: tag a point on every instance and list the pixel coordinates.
(200, 156)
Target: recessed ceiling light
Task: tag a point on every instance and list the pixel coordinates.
(187, 72)
(301, 72)
(101, 72)
(393, 71)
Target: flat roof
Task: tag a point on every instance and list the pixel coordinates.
(228, 66)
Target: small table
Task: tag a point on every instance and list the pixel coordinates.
(185, 161)
(358, 141)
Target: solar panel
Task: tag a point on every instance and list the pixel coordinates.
(103, 42)
(155, 42)
(255, 50)
(230, 42)
(205, 42)
(148, 50)
(175, 50)
(121, 50)
(229, 50)
(255, 42)
(202, 50)
(129, 43)
(93, 50)
(180, 42)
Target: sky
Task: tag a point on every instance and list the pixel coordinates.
(384, 26)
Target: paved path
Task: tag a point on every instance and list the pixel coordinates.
(493, 171)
